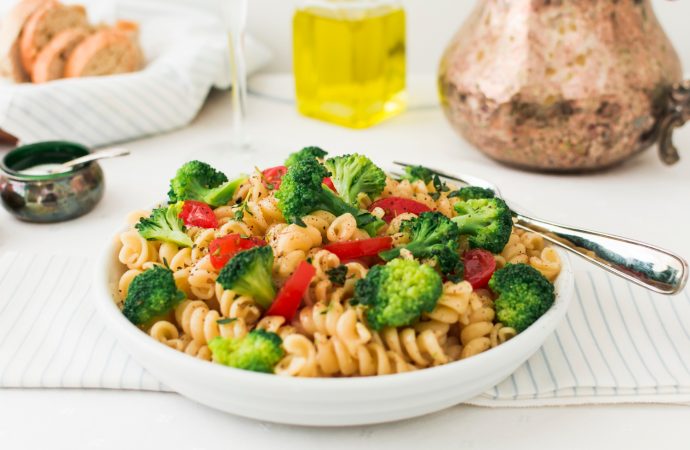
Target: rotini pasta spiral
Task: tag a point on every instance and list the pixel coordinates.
(547, 262)
(136, 251)
(335, 320)
(290, 244)
(514, 252)
(453, 304)
(423, 349)
(321, 220)
(166, 333)
(174, 257)
(322, 288)
(236, 306)
(277, 325)
(476, 330)
(202, 324)
(202, 238)
(202, 279)
(125, 281)
(300, 357)
(344, 228)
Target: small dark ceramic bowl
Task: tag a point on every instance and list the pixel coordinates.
(49, 197)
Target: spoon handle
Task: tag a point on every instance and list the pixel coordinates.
(111, 152)
(649, 266)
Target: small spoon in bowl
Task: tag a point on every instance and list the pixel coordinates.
(111, 152)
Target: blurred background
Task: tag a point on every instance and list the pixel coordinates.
(430, 26)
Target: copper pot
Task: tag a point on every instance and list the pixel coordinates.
(562, 85)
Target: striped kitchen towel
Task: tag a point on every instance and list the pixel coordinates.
(186, 49)
(618, 343)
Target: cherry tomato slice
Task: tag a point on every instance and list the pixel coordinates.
(224, 248)
(480, 265)
(328, 182)
(394, 206)
(290, 296)
(198, 214)
(273, 176)
(361, 248)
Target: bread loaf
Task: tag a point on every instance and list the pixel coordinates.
(106, 52)
(44, 24)
(50, 62)
(10, 30)
(44, 40)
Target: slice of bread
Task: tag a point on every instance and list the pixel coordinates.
(7, 138)
(10, 30)
(50, 62)
(44, 24)
(106, 52)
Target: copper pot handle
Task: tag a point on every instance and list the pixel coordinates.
(677, 113)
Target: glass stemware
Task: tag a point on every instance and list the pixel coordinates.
(234, 16)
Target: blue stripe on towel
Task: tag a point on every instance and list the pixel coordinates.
(614, 341)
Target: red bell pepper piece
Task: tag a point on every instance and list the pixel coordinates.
(290, 296)
(394, 206)
(328, 182)
(359, 249)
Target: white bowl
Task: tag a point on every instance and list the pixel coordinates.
(324, 401)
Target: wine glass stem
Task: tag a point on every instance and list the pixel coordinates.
(239, 86)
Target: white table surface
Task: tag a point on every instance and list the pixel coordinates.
(642, 199)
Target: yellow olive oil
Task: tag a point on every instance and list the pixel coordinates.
(349, 63)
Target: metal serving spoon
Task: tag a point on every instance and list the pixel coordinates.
(111, 152)
(646, 265)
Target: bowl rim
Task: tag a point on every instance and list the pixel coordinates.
(44, 146)
(116, 322)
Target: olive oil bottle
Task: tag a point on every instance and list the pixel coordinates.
(349, 60)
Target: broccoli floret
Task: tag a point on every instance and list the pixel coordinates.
(199, 181)
(398, 293)
(259, 351)
(249, 273)
(414, 173)
(524, 295)
(352, 174)
(487, 221)
(165, 224)
(472, 192)
(151, 294)
(302, 192)
(432, 236)
(305, 153)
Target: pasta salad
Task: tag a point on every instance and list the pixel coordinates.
(329, 267)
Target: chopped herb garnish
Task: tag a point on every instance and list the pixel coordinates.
(226, 320)
(337, 275)
(239, 213)
(439, 185)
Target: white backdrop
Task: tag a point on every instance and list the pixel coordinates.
(430, 25)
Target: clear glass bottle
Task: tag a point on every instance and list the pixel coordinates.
(349, 60)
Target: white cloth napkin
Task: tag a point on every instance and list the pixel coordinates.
(618, 343)
(186, 51)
